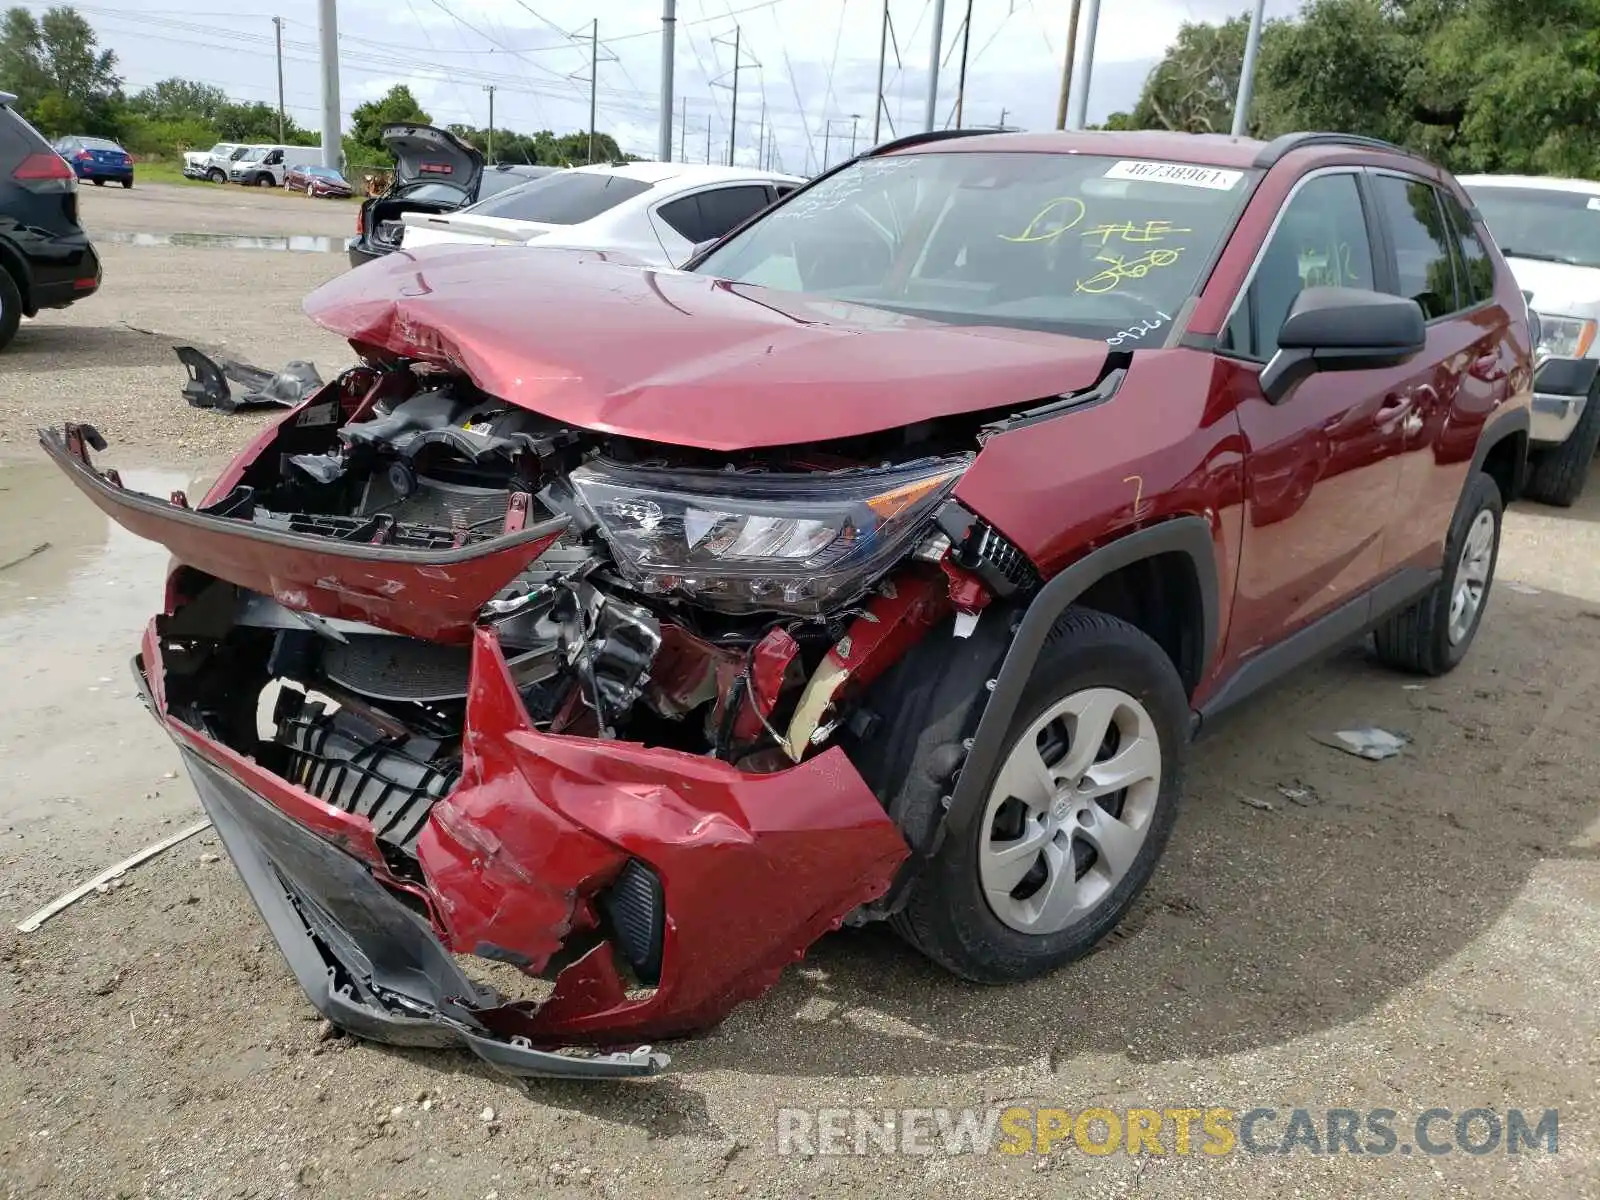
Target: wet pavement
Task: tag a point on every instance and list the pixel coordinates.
(300, 243)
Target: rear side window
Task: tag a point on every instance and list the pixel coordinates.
(565, 198)
(711, 214)
(1320, 242)
(1411, 212)
(1477, 281)
(493, 183)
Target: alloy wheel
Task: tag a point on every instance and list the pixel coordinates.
(1472, 577)
(1070, 810)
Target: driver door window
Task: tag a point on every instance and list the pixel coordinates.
(1320, 242)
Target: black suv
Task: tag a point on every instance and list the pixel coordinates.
(46, 260)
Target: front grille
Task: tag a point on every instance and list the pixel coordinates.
(356, 767)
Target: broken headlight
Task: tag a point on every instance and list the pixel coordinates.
(763, 541)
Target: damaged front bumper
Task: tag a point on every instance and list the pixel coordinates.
(523, 862)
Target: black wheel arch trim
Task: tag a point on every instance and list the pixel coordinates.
(1497, 430)
(1190, 536)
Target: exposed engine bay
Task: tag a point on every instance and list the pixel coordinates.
(728, 606)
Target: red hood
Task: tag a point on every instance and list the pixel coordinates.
(686, 359)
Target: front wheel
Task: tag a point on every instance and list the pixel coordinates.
(1557, 474)
(1067, 830)
(1433, 635)
(216, 176)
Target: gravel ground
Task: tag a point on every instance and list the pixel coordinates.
(1422, 932)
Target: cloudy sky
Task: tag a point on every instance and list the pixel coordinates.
(810, 64)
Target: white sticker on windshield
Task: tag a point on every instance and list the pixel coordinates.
(1180, 173)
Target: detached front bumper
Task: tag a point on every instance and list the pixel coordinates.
(1561, 388)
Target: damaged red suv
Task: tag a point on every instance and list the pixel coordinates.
(636, 627)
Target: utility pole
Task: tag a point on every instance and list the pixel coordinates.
(489, 87)
(827, 128)
(1003, 113)
(683, 132)
(669, 20)
(1066, 63)
(733, 118)
(761, 138)
(936, 39)
(1247, 77)
(594, 78)
(738, 62)
(328, 22)
(277, 26)
(883, 50)
(1080, 110)
(855, 119)
(961, 79)
(708, 141)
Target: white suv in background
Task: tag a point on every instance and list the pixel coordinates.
(1549, 231)
(212, 164)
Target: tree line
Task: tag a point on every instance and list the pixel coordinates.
(66, 83)
(1508, 86)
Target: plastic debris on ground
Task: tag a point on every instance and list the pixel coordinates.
(1369, 742)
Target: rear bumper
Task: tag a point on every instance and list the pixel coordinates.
(64, 270)
(362, 251)
(103, 171)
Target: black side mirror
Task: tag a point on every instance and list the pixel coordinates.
(1342, 329)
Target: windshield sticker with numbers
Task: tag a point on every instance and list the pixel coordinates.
(1184, 174)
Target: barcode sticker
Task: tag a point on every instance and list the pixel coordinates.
(1183, 174)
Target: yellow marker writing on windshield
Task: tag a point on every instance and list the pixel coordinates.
(1068, 211)
(1129, 231)
(1121, 268)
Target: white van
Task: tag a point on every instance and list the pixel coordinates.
(265, 166)
(212, 164)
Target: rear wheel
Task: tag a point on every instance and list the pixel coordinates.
(98, 182)
(1068, 829)
(127, 183)
(10, 307)
(1433, 635)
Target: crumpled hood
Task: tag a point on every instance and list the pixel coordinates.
(686, 359)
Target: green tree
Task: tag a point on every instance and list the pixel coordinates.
(396, 106)
(63, 81)
(1194, 86)
(179, 100)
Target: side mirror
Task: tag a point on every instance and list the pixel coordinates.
(1342, 329)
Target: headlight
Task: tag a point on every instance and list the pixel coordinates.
(1564, 337)
(743, 542)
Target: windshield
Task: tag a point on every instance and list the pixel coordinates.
(98, 144)
(253, 155)
(565, 198)
(1542, 223)
(323, 173)
(1084, 244)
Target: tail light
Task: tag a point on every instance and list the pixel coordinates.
(45, 171)
(83, 156)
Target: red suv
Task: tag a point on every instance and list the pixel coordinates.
(635, 627)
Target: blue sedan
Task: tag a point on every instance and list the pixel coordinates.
(97, 160)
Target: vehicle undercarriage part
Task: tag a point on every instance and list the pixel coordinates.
(208, 383)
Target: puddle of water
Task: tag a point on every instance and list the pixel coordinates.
(300, 243)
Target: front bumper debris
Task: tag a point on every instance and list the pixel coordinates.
(522, 863)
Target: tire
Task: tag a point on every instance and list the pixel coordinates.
(216, 176)
(263, 180)
(98, 182)
(1432, 636)
(1097, 662)
(127, 183)
(1556, 474)
(10, 307)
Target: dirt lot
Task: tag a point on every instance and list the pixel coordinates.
(1417, 933)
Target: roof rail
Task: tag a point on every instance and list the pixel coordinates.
(1273, 151)
(932, 135)
(7, 98)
